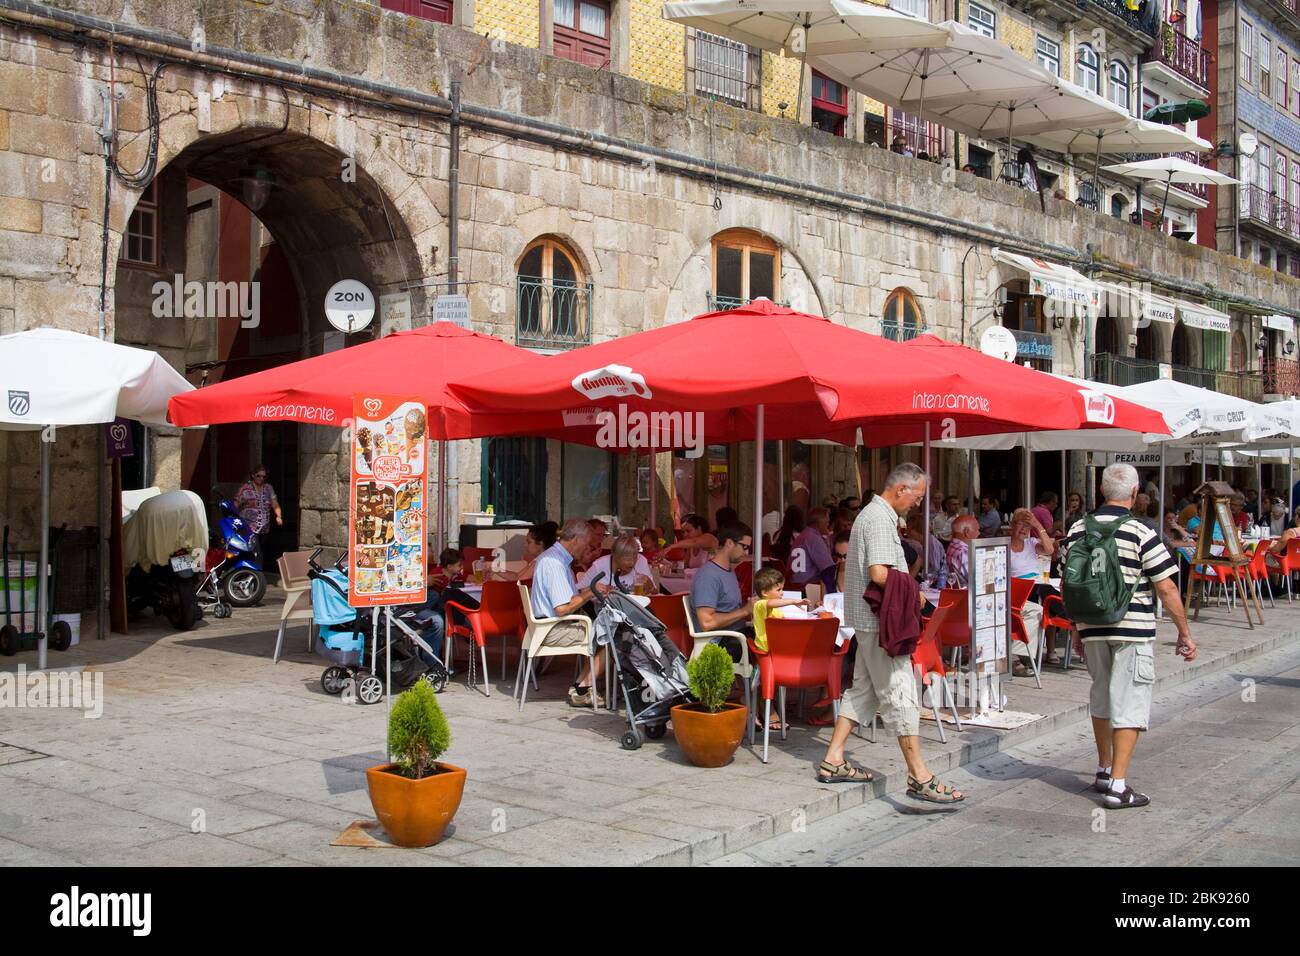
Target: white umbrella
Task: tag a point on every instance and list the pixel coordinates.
(56, 377)
(806, 27)
(1169, 170)
(1135, 136)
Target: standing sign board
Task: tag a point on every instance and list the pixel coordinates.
(387, 526)
(990, 607)
(1219, 545)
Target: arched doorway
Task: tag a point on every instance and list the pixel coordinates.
(1147, 343)
(1180, 347)
(1107, 336)
(224, 269)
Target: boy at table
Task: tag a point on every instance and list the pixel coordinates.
(443, 587)
(769, 584)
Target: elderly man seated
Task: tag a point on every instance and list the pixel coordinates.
(555, 593)
(964, 530)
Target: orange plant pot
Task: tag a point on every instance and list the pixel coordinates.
(709, 740)
(415, 813)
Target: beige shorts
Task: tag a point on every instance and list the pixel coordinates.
(1123, 675)
(883, 685)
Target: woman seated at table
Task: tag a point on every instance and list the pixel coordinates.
(1280, 545)
(1022, 561)
(623, 568)
(791, 525)
(694, 542)
(1073, 512)
(539, 538)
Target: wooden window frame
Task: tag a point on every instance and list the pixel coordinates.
(838, 109)
(148, 202)
(575, 38)
(1094, 67)
(445, 9)
(1246, 70)
(993, 25)
(746, 240)
(1112, 84)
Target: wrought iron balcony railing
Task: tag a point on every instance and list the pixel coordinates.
(1144, 18)
(552, 313)
(1126, 370)
(1181, 54)
(1272, 210)
(901, 331)
(725, 303)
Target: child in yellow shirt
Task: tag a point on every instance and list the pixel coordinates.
(768, 585)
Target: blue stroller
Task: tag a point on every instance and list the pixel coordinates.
(341, 639)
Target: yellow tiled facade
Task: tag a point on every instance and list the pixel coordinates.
(1019, 36)
(658, 53)
(780, 83)
(514, 21)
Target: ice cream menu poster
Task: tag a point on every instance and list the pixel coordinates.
(386, 526)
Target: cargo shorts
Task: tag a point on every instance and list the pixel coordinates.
(884, 685)
(1123, 675)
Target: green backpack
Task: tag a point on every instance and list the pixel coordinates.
(1092, 582)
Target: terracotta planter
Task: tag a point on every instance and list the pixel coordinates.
(709, 740)
(415, 812)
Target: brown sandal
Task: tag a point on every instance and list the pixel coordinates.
(933, 790)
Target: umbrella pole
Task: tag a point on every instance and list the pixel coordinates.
(1065, 483)
(780, 480)
(444, 535)
(925, 531)
(803, 68)
(1165, 203)
(42, 578)
(1290, 476)
(757, 551)
(1029, 494)
(1160, 512)
(653, 482)
(971, 465)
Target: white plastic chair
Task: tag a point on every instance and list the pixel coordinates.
(535, 646)
(297, 598)
(742, 668)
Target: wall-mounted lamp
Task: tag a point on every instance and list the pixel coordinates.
(1289, 347)
(1262, 343)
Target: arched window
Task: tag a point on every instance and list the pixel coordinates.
(1180, 347)
(552, 297)
(901, 319)
(1088, 68)
(1238, 357)
(1119, 91)
(1107, 335)
(746, 266)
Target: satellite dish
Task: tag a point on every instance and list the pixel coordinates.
(1247, 144)
(349, 305)
(998, 342)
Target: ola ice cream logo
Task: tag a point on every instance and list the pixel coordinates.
(373, 405)
(612, 381)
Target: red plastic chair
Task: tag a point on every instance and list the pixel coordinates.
(1257, 570)
(1287, 563)
(672, 614)
(927, 662)
(1021, 588)
(800, 654)
(1055, 618)
(954, 634)
(1214, 574)
(499, 612)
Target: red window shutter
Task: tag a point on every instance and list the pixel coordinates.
(439, 11)
(580, 46)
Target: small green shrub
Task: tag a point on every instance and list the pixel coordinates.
(418, 733)
(711, 675)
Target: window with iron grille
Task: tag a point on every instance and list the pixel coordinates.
(901, 318)
(140, 244)
(1048, 53)
(725, 70)
(920, 136)
(1087, 66)
(552, 298)
(982, 20)
(514, 478)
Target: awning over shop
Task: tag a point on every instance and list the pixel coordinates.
(1200, 316)
(1055, 282)
(1125, 300)
(1283, 323)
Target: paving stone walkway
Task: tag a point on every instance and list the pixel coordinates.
(208, 753)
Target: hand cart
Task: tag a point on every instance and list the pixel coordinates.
(13, 637)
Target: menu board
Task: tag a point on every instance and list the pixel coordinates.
(990, 606)
(387, 527)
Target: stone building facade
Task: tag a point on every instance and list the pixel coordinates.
(638, 184)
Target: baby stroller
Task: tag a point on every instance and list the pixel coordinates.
(651, 670)
(341, 638)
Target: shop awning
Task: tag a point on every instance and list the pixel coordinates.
(1283, 323)
(1053, 281)
(1132, 300)
(1200, 316)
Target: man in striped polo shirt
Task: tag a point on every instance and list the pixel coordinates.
(1121, 656)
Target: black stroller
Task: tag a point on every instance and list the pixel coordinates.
(651, 670)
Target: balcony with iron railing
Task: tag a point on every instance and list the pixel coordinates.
(1281, 376)
(1182, 54)
(1127, 370)
(552, 313)
(1144, 19)
(725, 303)
(901, 331)
(1270, 209)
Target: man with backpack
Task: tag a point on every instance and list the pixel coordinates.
(1113, 566)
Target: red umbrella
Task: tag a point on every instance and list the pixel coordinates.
(763, 371)
(814, 378)
(319, 390)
